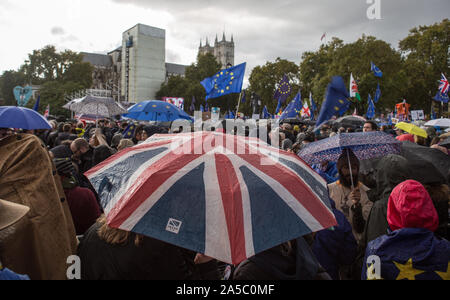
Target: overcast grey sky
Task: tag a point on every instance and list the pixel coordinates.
(263, 29)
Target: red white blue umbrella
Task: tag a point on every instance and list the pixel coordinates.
(228, 197)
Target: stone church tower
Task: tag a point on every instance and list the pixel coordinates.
(223, 51)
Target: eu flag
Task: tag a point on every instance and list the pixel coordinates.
(266, 114)
(335, 101)
(370, 109)
(376, 71)
(225, 82)
(441, 98)
(294, 108)
(36, 105)
(129, 131)
(283, 91)
(313, 106)
(278, 109)
(408, 253)
(377, 94)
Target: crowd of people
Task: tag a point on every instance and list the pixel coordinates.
(49, 211)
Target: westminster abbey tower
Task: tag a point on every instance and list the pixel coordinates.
(223, 51)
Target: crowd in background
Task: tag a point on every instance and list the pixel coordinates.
(373, 217)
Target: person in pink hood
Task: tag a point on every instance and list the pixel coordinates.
(410, 250)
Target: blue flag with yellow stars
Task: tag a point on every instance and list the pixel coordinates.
(293, 109)
(129, 131)
(376, 71)
(408, 253)
(283, 91)
(370, 109)
(266, 114)
(225, 82)
(335, 101)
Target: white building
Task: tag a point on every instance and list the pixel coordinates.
(143, 62)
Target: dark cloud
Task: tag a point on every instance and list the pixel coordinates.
(265, 29)
(57, 30)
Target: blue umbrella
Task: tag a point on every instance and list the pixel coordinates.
(21, 117)
(155, 110)
(365, 145)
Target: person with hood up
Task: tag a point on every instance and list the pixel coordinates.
(411, 250)
(392, 170)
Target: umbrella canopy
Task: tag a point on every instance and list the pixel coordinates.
(365, 145)
(351, 121)
(443, 122)
(446, 143)
(225, 196)
(100, 106)
(429, 165)
(411, 128)
(155, 110)
(21, 117)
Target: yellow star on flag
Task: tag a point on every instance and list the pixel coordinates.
(407, 271)
(445, 275)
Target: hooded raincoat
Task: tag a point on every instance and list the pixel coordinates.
(411, 251)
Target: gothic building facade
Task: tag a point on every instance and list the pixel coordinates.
(222, 50)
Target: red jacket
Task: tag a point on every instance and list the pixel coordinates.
(410, 206)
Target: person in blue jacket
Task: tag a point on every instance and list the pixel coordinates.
(335, 247)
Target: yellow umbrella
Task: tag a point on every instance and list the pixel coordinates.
(411, 128)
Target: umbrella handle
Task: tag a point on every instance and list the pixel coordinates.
(350, 169)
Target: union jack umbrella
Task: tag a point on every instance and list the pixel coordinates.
(228, 197)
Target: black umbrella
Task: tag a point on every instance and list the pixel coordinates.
(446, 143)
(428, 165)
(353, 121)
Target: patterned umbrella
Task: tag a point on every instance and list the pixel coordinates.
(228, 197)
(365, 145)
(101, 106)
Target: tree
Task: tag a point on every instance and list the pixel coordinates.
(339, 59)
(264, 79)
(9, 80)
(58, 74)
(426, 50)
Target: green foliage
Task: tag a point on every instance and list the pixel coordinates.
(426, 50)
(9, 80)
(264, 82)
(58, 74)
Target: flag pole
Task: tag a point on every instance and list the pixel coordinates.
(239, 102)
